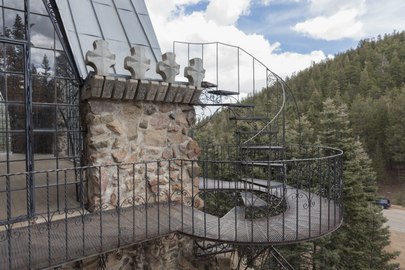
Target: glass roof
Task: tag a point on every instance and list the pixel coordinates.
(122, 23)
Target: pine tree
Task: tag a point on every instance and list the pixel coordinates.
(351, 247)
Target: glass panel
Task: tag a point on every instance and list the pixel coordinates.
(14, 24)
(42, 32)
(15, 87)
(103, 2)
(147, 25)
(43, 117)
(124, 4)
(14, 58)
(62, 66)
(2, 56)
(4, 127)
(109, 22)
(37, 6)
(44, 143)
(67, 92)
(14, 4)
(43, 89)
(1, 22)
(133, 28)
(16, 113)
(42, 62)
(84, 17)
(140, 7)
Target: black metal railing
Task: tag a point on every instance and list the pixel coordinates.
(160, 198)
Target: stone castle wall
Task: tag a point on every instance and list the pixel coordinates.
(131, 133)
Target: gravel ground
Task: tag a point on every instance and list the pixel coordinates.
(396, 222)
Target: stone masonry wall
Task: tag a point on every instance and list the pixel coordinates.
(134, 132)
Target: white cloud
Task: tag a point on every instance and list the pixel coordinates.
(218, 23)
(330, 7)
(343, 24)
(227, 12)
(383, 18)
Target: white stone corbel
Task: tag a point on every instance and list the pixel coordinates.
(137, 63)
(195, 72)
(100, 59)
(168, 68)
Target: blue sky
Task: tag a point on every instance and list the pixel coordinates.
(288, 35)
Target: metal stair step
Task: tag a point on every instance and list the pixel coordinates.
(232, 105)
(222, 92)
(239, 211)
(205, 84)
(254, 163)
(242, 132)
(249, 199)
(249, 118)
(262, 147)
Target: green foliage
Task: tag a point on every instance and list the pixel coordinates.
(356, 102)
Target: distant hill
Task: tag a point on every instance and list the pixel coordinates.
(369, 79)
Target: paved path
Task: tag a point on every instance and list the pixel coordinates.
(396, 222)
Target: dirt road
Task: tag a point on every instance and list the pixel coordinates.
(396, 221)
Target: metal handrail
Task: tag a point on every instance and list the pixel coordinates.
(282, 82)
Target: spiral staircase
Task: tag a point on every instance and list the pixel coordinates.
(276, 191)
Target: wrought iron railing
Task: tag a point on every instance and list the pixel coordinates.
(230, 202)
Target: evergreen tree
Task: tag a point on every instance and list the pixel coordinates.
(351, 247)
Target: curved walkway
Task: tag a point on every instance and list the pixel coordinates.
(57, 242)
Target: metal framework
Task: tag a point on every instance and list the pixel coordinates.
(252, 195)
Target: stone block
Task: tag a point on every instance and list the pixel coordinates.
(132, 132)
(153, 89)
(196, 96)
(116, 127)
(189, 95)
(119, 88)
(94, 87)
(162, 91)
(171, 93)
(155, 138)
(181, 93)
(131, 87)
(143, 86)
(108, 87)
(119, 155)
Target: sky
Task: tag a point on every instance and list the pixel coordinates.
(286, 35)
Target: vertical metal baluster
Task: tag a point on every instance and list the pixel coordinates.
(182, 199)
(66, 217)
(334, 192)
(8, 226)
(118, 205)
(254, 77)
(100, 206)
(328, 179)
(320, 190)
(48, 221)
(133, 202)
(146, 200)
(83, 213)
(310, 197)
(296, 199)
(158, 195)
(192, 196)
(169, 199)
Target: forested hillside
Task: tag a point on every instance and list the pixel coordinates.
(355, 101)
(370, 80)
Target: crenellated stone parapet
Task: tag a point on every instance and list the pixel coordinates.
(99, 85)
(131, 121)
(116, 88)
